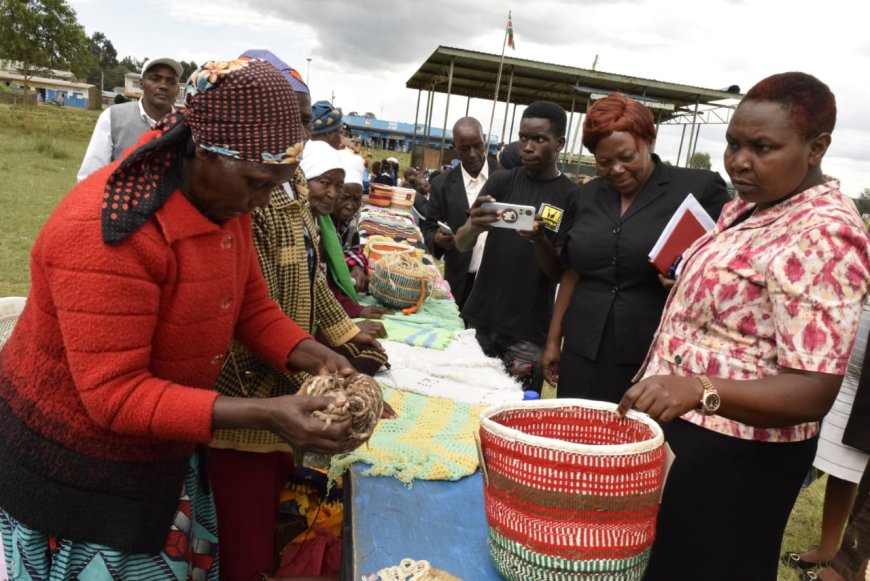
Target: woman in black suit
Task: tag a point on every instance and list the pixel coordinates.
(611, 297)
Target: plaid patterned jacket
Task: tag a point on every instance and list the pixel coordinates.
(280, 244)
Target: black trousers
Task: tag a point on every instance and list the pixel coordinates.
(725, 506)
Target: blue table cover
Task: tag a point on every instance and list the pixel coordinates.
(438, 521)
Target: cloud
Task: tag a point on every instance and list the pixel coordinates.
(365, 38)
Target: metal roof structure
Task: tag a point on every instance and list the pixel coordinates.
(475, 74)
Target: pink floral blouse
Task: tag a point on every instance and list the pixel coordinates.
(783, 288)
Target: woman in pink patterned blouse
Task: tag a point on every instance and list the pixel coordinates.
(754, 340)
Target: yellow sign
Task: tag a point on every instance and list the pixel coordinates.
(552, 216)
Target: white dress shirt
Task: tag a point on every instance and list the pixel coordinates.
(472, 190)
(99, 151)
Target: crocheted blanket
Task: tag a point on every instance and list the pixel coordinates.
(432, 439)
(432, 326)
(397, 225)
(461, 371)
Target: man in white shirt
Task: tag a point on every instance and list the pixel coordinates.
(120, 126)
(450, 196)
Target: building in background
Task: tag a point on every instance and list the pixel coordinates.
(397, 136)
(49, 86)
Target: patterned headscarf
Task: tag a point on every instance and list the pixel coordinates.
(326, 118)
(243, 109)
(292, 75)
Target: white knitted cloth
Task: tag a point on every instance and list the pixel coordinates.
(460, 372)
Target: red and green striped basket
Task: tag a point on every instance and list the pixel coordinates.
(571, 489)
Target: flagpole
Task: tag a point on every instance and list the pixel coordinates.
(497, 86)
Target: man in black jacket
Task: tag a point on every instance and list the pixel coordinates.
(450, 197)
(512, 300)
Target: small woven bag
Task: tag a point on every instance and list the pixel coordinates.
(571, 490)
(400, 281)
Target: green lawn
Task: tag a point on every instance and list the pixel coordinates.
(42, 148)
(40, 156)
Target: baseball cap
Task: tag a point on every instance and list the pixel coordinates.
(172, 64)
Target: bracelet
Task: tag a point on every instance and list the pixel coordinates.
(706, 383)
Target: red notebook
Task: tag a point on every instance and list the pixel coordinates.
(688, 223)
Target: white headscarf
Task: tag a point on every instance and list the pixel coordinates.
(353, 167)
(319, 157)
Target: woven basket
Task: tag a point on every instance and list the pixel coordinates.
(401, 282)
(378, 249)
(403, 199)
(380, 195)
(571, 490)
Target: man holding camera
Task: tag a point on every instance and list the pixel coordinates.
(451, 194)
(512, 299)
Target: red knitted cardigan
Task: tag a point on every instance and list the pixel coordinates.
(106, 383)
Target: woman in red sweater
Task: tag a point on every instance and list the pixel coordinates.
(140, 279)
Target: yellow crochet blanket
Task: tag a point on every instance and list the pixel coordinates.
(432, 439)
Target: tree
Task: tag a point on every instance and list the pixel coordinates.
(863, 201)
(114, 77)
(700, 160)
(43, 33)
(188, 68)
(104, 57)
(134, 65)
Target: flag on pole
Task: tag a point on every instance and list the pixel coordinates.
(510, 32)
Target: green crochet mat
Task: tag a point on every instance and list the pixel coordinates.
(432, 326)
(432, 439)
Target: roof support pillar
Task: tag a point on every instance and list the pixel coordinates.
(680, 150)
(429, 106)
(446, 110)
(416, 120)
(576, 133)
(569, 145)
(507, 105)
(692, 132)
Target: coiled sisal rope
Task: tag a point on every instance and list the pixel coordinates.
(363, 405)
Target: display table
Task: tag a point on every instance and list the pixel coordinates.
(438, 521)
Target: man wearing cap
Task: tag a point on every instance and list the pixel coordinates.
(326, 124)
(120, 126)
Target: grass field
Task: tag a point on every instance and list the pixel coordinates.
(41, 153)
(42, 148)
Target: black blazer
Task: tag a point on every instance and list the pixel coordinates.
(448, 203)
(618, 285)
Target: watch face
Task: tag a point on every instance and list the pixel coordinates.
(711, 402)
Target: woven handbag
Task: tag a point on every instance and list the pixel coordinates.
(400, 281)
(571, 490)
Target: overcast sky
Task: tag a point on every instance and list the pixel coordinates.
(363, 52)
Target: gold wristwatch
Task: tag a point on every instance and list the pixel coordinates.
(710, 400)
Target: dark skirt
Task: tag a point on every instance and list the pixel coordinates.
(602, 379)
(725, 505)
